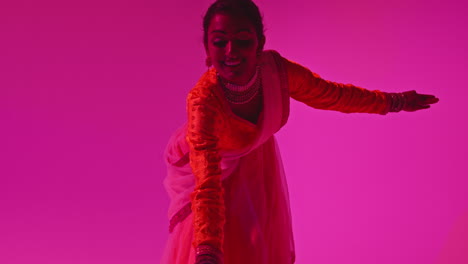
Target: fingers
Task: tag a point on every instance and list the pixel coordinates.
(429, 99)
(424, 107)
(415, 101)
(416, 108)
(424, 99)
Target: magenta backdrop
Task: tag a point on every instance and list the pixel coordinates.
(90, 91)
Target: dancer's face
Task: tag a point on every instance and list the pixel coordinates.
(233, 47)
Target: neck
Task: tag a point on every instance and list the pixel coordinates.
(243, 87)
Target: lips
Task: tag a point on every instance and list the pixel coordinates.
(232, 63)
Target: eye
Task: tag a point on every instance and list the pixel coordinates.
(244, 43)
(220, 43)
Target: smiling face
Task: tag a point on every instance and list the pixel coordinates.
(233, 47)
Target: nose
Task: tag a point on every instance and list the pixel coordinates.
(231, 48)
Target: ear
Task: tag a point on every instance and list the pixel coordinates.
(206, 48)
(205, 45)
(261, 44)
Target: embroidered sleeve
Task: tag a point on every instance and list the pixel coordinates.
(309, 88)
(207, 198)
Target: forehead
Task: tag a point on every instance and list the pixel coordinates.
(230, 24)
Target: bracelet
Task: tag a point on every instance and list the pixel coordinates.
(206, 254)
(206, 259)
(397, 102)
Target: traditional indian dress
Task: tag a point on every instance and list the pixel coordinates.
(225, 176)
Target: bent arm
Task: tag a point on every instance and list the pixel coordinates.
(207, 199)
(309, 88)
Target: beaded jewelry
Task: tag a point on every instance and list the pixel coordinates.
(397, 102)
(206, 254)
(242, 94)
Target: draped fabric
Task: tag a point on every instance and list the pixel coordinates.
(225, 176)
(257, 221)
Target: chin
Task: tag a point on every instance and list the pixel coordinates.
(231, 77)
(236, 77)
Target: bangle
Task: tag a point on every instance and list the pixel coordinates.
(397, 102)
(206, 254)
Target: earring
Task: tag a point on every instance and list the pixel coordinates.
(208, 62)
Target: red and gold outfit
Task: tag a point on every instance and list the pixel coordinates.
(213, 130)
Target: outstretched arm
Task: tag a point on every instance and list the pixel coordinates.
(309, 88)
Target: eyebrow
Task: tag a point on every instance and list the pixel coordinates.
(224, 32)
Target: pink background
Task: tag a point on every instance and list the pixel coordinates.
(90, 91)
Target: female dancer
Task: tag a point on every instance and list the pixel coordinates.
(229, 197)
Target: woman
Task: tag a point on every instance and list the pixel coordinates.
(229, 198)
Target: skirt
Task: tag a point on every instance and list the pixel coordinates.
(258, 220)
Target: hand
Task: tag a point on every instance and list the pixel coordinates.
(415, 101)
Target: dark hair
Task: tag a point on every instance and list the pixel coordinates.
(238, 8)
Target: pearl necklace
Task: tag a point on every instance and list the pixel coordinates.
(242, 94)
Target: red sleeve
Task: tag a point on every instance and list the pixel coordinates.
(207, 199)
(309, 88)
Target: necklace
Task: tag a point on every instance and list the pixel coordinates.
(242, 94)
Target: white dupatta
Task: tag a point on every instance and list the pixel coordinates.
(180, 181)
